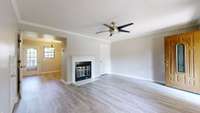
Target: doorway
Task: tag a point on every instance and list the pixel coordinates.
(104, 59)
(40, 56)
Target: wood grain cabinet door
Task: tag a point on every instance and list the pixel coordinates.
(180, 62)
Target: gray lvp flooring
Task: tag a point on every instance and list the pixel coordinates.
(109, 94)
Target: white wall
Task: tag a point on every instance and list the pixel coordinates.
(141, 58)
(7, 48)
(81, 46)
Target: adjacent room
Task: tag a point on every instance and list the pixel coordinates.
(41, 55)
(100, 56)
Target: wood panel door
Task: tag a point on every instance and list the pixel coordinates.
(179, 62)
(197, 60)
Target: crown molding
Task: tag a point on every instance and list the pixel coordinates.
(189, 26)
(59, 30)
(23, 22)
(16, 9)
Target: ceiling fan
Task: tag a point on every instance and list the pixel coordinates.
(113, 28)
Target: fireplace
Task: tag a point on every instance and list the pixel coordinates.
(83, 70)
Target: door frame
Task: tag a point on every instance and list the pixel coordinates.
(105, 59)
(187, 80)
(19, 66)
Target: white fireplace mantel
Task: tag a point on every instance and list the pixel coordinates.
(82, 59)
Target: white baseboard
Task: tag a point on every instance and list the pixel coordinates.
(42, 73)
(123, 75)
(138, 78)
(13, 103)
(66, 82)
(49, 72)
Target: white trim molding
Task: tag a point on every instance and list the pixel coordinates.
(138, 78)
(42, 73)
(65, 82)
(22, 22)
(16, 9)
(49, 72)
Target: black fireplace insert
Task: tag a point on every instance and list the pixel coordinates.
(83, 70)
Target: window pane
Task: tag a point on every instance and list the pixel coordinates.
(31, 55)
(180, 57)
(49, 52)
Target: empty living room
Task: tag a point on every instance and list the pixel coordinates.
(100, 56)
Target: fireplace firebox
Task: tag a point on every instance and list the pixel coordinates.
(83, 70)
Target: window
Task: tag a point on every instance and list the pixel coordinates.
(49, 52)
(180, 57)
(31, 56)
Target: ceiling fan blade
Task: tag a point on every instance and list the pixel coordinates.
(102, 32)
(110, 27)
(125, 31)
(123, 26)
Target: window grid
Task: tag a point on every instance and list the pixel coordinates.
(49, 52)
(31, 58)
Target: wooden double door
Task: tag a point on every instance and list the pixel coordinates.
(182, 61)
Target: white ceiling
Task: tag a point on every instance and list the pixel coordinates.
(87, 16)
